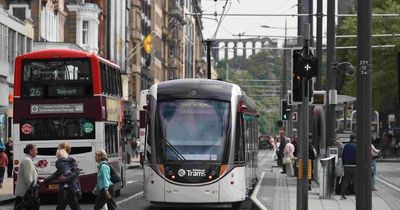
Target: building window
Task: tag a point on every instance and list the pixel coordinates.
(19, 12)
(85, 32)
(21, 44)
(28, 45)
(3, 42)
(11, 47)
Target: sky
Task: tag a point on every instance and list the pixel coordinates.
(249, 25)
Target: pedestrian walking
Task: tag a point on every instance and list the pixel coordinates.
(282, 140)
(3, 165)
(104, 187)
(349, 163)
(312, 155)
(10, 155)
(27, 176)
(288, 157)
(67, 172)
(374, 156)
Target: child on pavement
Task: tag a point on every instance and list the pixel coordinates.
(3, 165)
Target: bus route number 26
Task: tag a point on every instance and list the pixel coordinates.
(35, 92)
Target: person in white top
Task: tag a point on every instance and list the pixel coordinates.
(26, 174)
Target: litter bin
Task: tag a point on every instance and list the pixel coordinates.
(327, 177)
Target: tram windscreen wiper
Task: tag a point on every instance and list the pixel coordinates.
(174, 150)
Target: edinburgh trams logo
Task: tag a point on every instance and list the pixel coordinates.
(193, 172)
(181, 172)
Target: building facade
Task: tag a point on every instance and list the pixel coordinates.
(16, 36)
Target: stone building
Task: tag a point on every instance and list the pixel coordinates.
(16, 35)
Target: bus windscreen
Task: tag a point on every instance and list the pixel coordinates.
(65, 78)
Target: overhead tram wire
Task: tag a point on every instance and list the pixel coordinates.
(290, 48)
(222, 16)
(290, 15)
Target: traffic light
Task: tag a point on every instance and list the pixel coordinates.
(285, 110)
(299, 66)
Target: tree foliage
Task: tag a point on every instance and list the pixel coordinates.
(384, 60)
(264, 65)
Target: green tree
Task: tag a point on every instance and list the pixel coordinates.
(264, 65)
(384, 60)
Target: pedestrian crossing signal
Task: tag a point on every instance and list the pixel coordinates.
(285, 110)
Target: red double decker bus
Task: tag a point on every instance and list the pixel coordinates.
(67, 96)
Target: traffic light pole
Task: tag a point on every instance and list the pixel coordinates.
(208, 44)
(331, 76)
(302, 182)
(363, 154)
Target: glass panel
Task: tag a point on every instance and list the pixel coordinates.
(57, 129)
(56, 79)
(193, 129)
(85, 32)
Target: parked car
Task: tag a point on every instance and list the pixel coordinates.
(264, 142)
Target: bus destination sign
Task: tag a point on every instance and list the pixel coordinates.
(56, 108)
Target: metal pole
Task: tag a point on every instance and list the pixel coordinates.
(284, 66)
(227, 69)
(208, 47)
(311, 21)
(331, 77)
(363, 155)
(302, 186)
(319, 44)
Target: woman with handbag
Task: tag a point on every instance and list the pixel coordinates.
(288, 157)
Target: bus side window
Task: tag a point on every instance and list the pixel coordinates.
(103, 78)
(108, 80)
(111, 139)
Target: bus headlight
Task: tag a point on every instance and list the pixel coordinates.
(16, 162)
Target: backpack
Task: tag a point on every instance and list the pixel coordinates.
(114, 175)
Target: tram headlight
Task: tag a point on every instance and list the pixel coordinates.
(170, 172)
(210, 177)
(173, 176)
(212, 173)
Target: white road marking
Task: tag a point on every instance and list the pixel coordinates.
(131, 182)
(130, 197)
(253, 196)
(388, 184)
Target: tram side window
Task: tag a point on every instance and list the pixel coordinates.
(111, 139)
(239, 140)
(148, 140)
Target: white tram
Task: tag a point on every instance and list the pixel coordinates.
(201, 143)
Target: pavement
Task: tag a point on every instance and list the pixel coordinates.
(276, 191)
(7, 196)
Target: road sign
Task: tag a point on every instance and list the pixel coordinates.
(147, 44)
(294, 116)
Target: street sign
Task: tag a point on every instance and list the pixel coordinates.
(294, 116)
(308, 66)
(147, 44)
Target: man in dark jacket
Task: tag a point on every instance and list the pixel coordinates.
(349, 163)
(282, 140)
